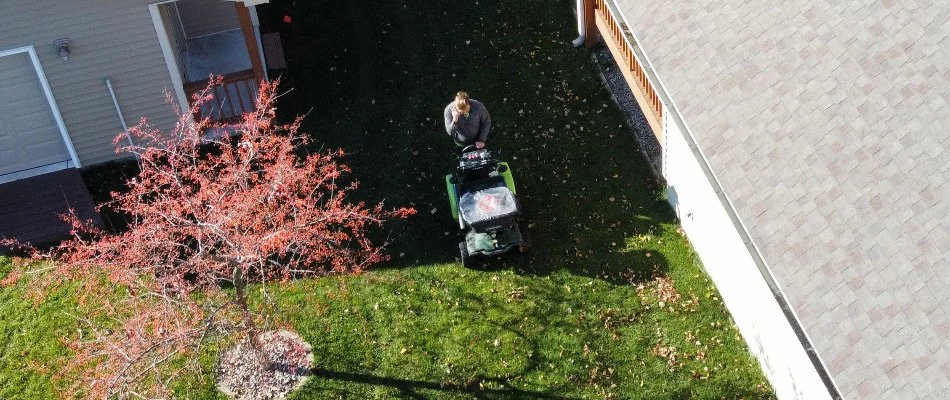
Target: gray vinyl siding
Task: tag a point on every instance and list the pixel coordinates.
(110, 38)
(204, 17)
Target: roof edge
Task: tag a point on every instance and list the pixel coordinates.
(764, 269)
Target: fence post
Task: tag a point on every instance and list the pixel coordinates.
(250, 39)
(590, 37)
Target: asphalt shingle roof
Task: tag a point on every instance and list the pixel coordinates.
(827, 125)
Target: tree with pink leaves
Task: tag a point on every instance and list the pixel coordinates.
(214, 208)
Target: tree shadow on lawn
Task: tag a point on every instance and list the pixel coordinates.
(536, 326)
(339, 384)
(411, 388)
(488, 381)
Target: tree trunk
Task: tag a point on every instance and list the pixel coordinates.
(241, 300)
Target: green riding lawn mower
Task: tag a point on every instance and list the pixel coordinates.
(482, 198)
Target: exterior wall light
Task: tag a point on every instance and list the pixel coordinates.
(62, 48)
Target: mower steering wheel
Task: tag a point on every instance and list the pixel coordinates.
(465, 149)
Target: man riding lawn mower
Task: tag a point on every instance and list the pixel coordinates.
(481, 190)
(482, 199)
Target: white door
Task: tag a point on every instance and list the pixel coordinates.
(31, 141)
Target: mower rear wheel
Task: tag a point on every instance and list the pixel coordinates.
(466, 258)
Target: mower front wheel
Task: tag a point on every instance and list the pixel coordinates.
(466, 258)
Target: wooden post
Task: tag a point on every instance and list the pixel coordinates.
(590, 26)
(250, 39)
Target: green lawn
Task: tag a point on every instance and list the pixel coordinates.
(610, 303)
(29, 336)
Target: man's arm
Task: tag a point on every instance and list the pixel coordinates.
(449, 119)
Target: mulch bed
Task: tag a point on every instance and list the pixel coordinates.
(283, 363)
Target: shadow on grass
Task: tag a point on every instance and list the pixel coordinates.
(617, 268)
(378, 84)
(594, 249)
(102, 180)
(411, 388)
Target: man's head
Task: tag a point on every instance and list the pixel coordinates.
(461, 103)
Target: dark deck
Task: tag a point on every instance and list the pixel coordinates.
(30, 208)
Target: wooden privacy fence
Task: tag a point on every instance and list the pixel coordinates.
(236, 95)
(624, 48)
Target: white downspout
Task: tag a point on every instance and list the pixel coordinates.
(173, 72)
(580, 25)
(115, 102)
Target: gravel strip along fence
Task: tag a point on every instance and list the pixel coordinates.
(613, 79)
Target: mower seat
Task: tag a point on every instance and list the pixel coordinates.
(488, 208)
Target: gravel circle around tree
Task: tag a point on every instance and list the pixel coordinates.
(241, 374)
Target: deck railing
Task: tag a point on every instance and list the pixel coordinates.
(624, 49)
(236, 95)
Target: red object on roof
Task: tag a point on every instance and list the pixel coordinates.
(287, 19)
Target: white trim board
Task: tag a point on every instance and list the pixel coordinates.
(166, 46)
(41, 75)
